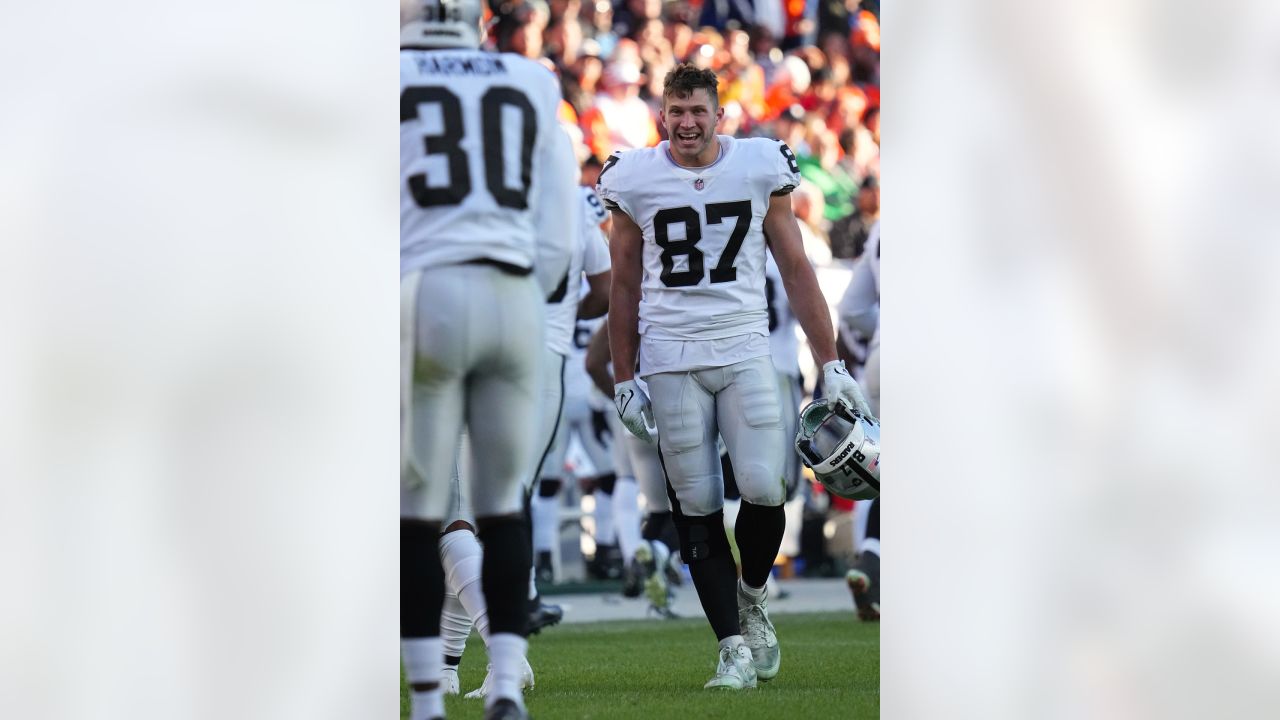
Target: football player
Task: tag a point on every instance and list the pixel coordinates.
(487, 216)
(566, 323)
(654, 559)
(860, 310)
(693, 219)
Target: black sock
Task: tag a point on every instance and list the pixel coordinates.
(716, 580)
(759, 535)
(421, 579)
(504, 574)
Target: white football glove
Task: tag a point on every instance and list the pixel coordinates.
(635, 410)
(839, 386)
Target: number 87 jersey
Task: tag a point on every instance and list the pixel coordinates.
(704, 245)
(483, 169)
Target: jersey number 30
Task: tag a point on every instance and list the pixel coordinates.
(448, 142)
(724, 271)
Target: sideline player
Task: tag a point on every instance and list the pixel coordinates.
(690, 220)
(860, 310)
(588, 300)
(655, 560)
(487, 215)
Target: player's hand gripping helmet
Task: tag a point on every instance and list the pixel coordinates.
(441, 23)
(842, 449)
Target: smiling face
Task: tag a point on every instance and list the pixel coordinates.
(691, 125)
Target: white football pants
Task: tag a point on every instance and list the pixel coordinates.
(471, 340)
(740, 403)
(635, 458)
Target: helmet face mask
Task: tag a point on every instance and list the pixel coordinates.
(441, 23)
(842, 449)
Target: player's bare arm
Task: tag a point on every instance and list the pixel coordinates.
(626, 246)
(807, 302)
(596, 302)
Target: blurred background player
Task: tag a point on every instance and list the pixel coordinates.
(860, 310)
(485, 237)
(589, 299)
(653, 566)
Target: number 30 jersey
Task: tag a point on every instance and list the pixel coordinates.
(704, 245)
(485, 170)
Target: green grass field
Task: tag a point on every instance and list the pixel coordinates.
(650, 670)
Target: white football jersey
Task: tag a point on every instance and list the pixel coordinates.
(590, 256)
(784, 346)
(485, 169)
(704, 248)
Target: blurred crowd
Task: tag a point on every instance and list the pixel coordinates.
(803, 71)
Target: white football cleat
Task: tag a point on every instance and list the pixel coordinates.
(526, 682)
(449, 680)
(735, 670)
(759, 635)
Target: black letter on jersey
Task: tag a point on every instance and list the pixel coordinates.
(446, 144)
(494, 163)
(672, 248)
(724, 271)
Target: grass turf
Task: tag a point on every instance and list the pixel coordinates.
(650, 670)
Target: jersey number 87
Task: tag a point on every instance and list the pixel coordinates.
(724, 271)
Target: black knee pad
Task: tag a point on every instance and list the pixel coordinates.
(702, 537)
(548, 487)
(605, 483)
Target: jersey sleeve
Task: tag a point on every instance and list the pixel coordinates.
(556, 213)
(786, 175)
(595, 256)
(594, 212)
(611, 184)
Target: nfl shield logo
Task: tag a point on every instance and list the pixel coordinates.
(698, 184)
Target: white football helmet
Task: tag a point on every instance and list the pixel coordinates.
(441, 23)
(842, 449)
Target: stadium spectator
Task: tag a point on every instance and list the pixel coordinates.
(519, 29)
(619, 119)
(821, 168)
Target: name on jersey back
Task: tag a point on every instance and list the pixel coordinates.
(438, 64)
